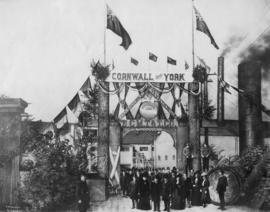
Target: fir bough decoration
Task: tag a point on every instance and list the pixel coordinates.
(199, 74)
(99, 71)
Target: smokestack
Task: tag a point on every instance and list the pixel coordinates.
(250, 115)
(220, 91)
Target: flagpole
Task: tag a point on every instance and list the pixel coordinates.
(104, 35)
(193, 53)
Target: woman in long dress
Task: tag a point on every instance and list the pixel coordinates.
(144, 194)
(196, 191)
(178, 194)
(133, 192)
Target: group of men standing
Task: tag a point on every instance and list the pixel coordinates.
(175, 189)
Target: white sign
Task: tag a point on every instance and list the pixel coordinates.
(168, 77)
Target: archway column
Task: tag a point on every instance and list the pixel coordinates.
(181, 140)
(194, 126)
(103, 140)
(114, 151)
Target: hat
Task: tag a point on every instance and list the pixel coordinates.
(204, 174)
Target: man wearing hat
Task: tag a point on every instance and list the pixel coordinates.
(205, 153)
(83, 194)
(144, 193)
(166, 193)
(188, 156)
(156, 193)
(221, 189)
(205, 190)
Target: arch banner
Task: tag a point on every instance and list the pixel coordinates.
(166, 77)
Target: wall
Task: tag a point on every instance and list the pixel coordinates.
(164, 146)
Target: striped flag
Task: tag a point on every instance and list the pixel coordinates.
(202, 26)
(186, 65)
(171, 61)
(152, 57)
(115, 25)
(134, 61)
(226, 86)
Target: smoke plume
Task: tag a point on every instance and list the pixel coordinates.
(260, 51)
(232, 44)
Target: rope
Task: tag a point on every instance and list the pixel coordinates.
(190, 92)
(134, 88)
(111, 92)
(159, 90)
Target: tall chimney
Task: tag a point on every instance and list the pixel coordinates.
(220, 91)
(250, 115)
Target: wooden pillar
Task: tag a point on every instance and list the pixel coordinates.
(250, 114)
(103, 134)
(115, 141)
(205, 103)
(181, 140)
(194, 126)
(10, 132)
(220, 91)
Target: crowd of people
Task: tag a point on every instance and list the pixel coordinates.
(177, 190)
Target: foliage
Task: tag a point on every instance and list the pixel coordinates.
(250, 157)
(215, 154)
(100, 71)
(208, 111)
(31, 138)
(199, 73)
(91, 106)
(51, 182)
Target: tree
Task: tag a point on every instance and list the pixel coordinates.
(50, 184)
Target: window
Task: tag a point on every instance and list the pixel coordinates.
(153, 148)
(166, 157)
(143, 148)
(124, 148)
(158, 157)
(173, 157)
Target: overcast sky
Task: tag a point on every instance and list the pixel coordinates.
(46, 46)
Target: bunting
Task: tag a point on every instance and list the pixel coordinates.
(134, 61)
(171, 61)
(186, 65)
(152, 57)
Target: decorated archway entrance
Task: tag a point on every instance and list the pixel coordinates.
(151, 102)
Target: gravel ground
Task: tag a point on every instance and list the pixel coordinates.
(120, 204)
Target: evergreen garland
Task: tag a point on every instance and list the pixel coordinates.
(100, 71)
(200, 74)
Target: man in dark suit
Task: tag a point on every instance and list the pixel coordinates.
(124, 183)
(221, 188)
(156, 193)
(83, 194)
(166, 193)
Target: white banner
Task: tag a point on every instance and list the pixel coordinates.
(169, 77)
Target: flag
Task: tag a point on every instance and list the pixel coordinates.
(115, 25)
(152, 57)
(203, 63)
(202, 26)
(265, 110)
(134, 61)
(171, 61)
(186, 65)
(224, 85)
(113, 66)
(237, 89)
